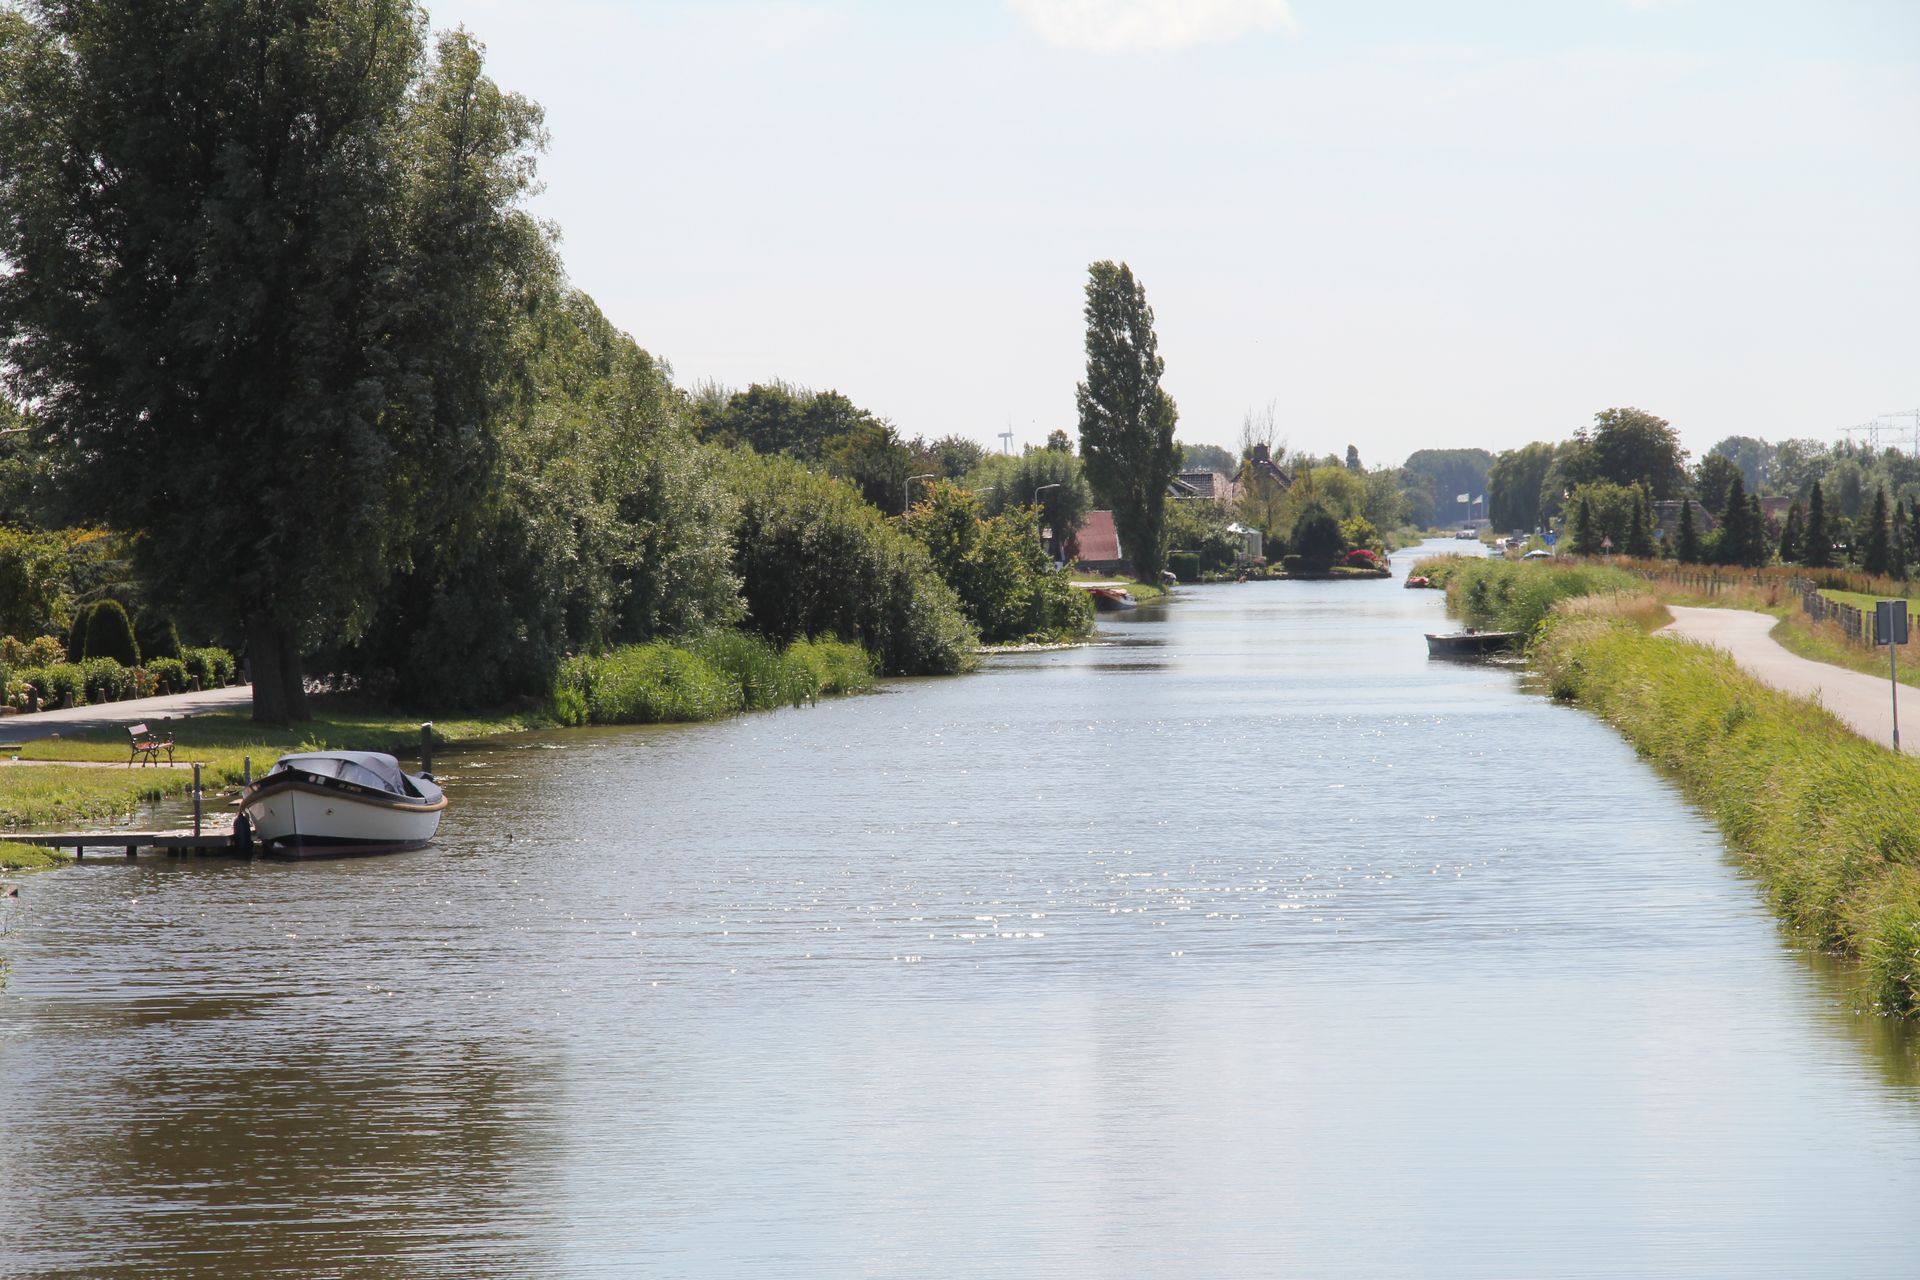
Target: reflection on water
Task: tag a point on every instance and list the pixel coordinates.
(1287, 951)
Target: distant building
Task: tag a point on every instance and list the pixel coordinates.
(1210, 486)
(1260, 465)
(1100, 545)
(1666, 519)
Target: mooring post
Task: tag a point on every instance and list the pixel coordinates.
(246, 771)
(426, 747)
(196, 799)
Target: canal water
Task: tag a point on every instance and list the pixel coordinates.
(1248, 942)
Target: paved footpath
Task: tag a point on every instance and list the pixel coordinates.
(41, 724)
(1864, 702)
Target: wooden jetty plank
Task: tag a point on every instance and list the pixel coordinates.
(216, 835)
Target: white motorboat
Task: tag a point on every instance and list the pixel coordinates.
(331, 804)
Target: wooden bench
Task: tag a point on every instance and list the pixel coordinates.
(147, 747)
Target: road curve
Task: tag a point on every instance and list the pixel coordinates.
(1864, 702)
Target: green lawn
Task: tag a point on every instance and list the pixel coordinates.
(1864, 602)
(46, 797)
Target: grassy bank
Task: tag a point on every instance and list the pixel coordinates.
(1822, 815)
(45, 797)
(716, 675)
(720, 675)
(31, 857)
(1517, 595)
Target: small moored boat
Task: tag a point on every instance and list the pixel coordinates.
(1470, 643)
(1110, 599)
(330, 804)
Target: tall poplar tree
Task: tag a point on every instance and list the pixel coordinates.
(257, 285)
(1126, 420)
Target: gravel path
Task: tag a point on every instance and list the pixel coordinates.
(1863, 701)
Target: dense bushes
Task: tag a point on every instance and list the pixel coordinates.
(98, 680)
(715, 675)
(109, 634)
(1825, 815)
(169, 675)
(212, 667)
(1005, 581)
(603, 524)
(813, 559)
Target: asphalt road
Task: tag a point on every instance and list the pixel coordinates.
(15, 729)
(1864, 702)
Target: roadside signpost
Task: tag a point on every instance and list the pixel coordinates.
(1890, 629)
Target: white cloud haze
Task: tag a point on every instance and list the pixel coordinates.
(1110, 25)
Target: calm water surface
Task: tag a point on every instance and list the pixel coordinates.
(1248, 943)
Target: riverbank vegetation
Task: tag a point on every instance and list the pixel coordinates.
(1823, 815)
(716, 675)
(477, 475)
(1510, 595)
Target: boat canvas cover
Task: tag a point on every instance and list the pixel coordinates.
(364, 768)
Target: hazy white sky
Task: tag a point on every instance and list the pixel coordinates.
(1407, 223)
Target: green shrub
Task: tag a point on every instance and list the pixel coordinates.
(832, 666)
(105, 680)
(57, 682)
(156, 635)
(653, 683)
(212, 667)
(1316, 538)
(110, 634)
(225, 670)
(996, 565)
(814, 559)
(714, 675)
(77, 633)
(760, 675)
(168, 672)
(1185, 565)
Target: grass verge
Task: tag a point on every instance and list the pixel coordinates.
(31, 857)
(1821, 814)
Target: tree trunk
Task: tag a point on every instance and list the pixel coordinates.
(293, 680)
(263, 651)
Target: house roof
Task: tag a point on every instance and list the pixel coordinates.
(1202, 484)
(1099, 540)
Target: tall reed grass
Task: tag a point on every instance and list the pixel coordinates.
(1826, 818)
(1516, 595)
(714, 675)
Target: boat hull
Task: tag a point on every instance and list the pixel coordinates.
(1471, 644)
(293, 818)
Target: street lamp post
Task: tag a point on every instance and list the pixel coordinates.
(906, 493)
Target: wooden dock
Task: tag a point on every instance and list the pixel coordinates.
(215, 839)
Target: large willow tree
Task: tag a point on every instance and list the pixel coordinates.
(256, 263)
(1126, 420)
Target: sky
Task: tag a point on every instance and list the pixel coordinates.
(1403, 224)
